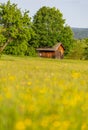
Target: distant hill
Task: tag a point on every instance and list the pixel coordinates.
(80, 33)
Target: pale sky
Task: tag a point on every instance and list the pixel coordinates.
(74, 11)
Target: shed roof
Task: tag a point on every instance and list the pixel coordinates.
(54, 48)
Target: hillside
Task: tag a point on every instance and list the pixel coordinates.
(80, 33)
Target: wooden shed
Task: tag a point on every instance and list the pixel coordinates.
(56, 51)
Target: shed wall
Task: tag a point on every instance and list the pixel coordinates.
(47, 54)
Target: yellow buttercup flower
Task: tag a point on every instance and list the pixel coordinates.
(29, 83)
(28, 122)
(45, 122)
(8, 95)
(65, 125)
(75, 75)
(84, 126)
(11, 78)
(56, 123)
(31, 108)
(43, 90)
(20, 125)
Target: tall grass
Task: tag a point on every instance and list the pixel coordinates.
(43, 94)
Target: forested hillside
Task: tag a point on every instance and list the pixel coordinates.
(80, 33)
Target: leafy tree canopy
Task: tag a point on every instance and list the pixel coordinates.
(77, 50)
(66, 37)
(48, 23)
(14, 25)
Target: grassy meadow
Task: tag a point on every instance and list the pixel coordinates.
(43, 94)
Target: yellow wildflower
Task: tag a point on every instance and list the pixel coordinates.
(11, 78)
(43, 90)
(31, 108)
(56, 123)
(65, 125)
(28, 122)
(8, 95)
(84, 126)
(45, 122)
(29, 83)
(75, 75)
(20, 125)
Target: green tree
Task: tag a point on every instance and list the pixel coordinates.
(15, 26)
(48, 24)
(66, 37)
(86, 50)
(77, 50)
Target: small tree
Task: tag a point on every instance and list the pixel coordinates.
(77, 51)
(86, 50)
(14, 25)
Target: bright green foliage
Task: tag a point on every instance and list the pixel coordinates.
(77, 51)
(16, 48)
(86, 49)
(2, 38)
(66, 37)
(15, 25)
(48, 24)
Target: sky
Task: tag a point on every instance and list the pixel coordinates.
(74, 11)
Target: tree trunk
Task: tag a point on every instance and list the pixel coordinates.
(3, 47)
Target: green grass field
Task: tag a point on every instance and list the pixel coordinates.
(43, 94)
